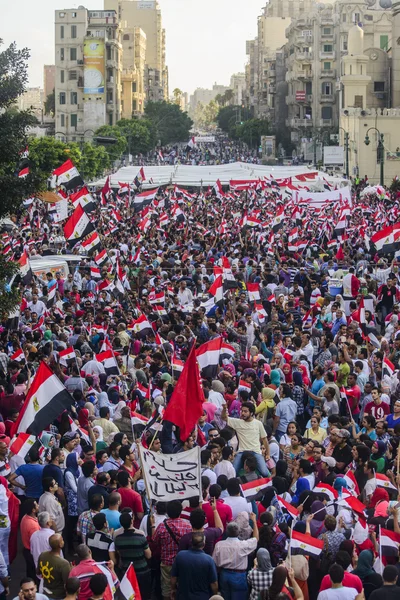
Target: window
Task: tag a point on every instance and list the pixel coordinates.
(62, 120)
(73, 15)
(358, 102)
(308, 87)
(356, 17)
(328, 48)
(134, 105)
(344, 18)
(326, 31)
(108, 53)
(344, 44)
(368, 18)
(72, 54)
(74, 98)
(73, 31)
(62, 98)
(74, 120)
(327, 66)
(326, 112)
(73, 75)
(62, 72)
(61, 15)
(62, 54)
(134, 86)
(110, 119)
(126, 36)
(326, 88)
(62, 32)
(384, 41)
(379, 86)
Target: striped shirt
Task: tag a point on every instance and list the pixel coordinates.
(131, 545)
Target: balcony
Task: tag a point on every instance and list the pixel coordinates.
(328, 73)
(327, 98)
(304, 74)
(271, 72)
(304, 39)
(327, 36)
(299, 123)
(326, 20)
(326, 122)
(303, 56)
(271, 89)
(327, 55)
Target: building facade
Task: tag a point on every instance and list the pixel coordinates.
(237, 85)
(146, 15)
(49, 79)
(133, 72)
(32, 99)
(88, 61)
(205, 96)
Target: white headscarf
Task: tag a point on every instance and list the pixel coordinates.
(118, 408)
(100, 430)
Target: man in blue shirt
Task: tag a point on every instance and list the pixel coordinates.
(32, 474)
(339, 321)
(194, 574)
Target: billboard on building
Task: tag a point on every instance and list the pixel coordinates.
(93, 67)
(333, 155)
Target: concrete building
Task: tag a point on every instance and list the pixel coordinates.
(32, 99)
(146, 15)
(238, 85)
(49, 79)
(88, 60)
(133, 72)
(204, 96)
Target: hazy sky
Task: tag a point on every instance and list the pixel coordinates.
(206, 39)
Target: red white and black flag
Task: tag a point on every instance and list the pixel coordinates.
(25, 269)
(77, 227)
(92, 243)
(68, 176)
(84, 198)
(46, 400)
(109, 362)
(208, 357)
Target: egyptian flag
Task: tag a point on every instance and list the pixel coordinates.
(22, 444)
(383, 481)
(140, 177)
(243, 385)
(227, 275)
(256, 488)
(25, 269)
(144, 199)
(18, 356)
(277, 222)
(227, 351)
(355, 504)
(142, 327)
(217, 289)
(145, 391)
(77, 227)
(305, 544)
(68, 176)
(156, 297)
(327, 490)
(84, 198)
(217, 189)
(47, 398)
(109, 362)
(129, 587)
(92, 243)
(67, 354)
(293, 234)
(352, 482)
(159, 310)
(297, 246)
(51, 294)
(292, 510)
(386, 240)
(340, 227)
(105, 286)
(101, 258)
(95, 273)
(389, 542)
(388, 367)
(253, 290)
(191, 143)
(208, 357)
(23, 172)
(177, 367)
(359, 315)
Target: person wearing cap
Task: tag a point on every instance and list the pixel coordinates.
(342, 451)
(328, 465)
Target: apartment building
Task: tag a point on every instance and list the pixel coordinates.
(205, 96)
(237, 85)
(88, 60)
(146, 15)
(32, 99)
(49, 79)
(134, 42)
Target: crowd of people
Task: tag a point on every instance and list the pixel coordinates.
(300, 431)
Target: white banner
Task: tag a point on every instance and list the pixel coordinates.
(61, 212)
(318, 199)
(171, 476)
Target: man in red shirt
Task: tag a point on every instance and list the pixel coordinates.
(86, 569)
(377, 408)
(353, 394)
(224, 511)
(352, 581)
(130, 498)
(29, 524)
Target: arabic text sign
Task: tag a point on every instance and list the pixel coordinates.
(172, 476)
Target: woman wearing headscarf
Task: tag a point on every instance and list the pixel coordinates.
(83, 418)
(318, 511)
(71, 476)
(260, 577)
(378, 451)
(370, 579)
(302, 485)
(280, 481)
(98, 434)
(300, 565)
(298, 396)
(245, 531)
(118, 409)
(275, 378)
(267, 404)
(124, 422)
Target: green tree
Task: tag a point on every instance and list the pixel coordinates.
(139, 133)
(228, 96)
(170, 122)
(50, 104)
(117, 143)
(93, 161)
(177, 94)
(230, 116)
(13, 139)
(251, 131)
(47, 153)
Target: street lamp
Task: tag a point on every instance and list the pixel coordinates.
(346, 145)
(379, 151)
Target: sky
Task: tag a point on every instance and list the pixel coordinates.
(206, 39)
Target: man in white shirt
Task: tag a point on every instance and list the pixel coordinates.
(235, 500)
(37, 306)
(39, 541)
(225, 466)
(93, 367)
(185, 296)
(206, 466)
(338, 591)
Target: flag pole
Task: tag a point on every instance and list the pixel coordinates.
(155, 433)
(380, 550)
(146, 484)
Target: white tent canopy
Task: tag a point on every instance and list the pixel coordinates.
(188, 175)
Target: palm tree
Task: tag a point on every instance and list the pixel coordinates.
(177, 94)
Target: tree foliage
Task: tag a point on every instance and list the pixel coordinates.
(230, 116)
(251, 131)
(139, 133)
(114, 149)
(50, 104)
(171, 124)
(206, 114)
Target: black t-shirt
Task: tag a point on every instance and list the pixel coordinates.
(386, 592)
(342, 455)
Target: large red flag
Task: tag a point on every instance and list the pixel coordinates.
(185, 407)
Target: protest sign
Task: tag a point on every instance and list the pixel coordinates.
(171, 476)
